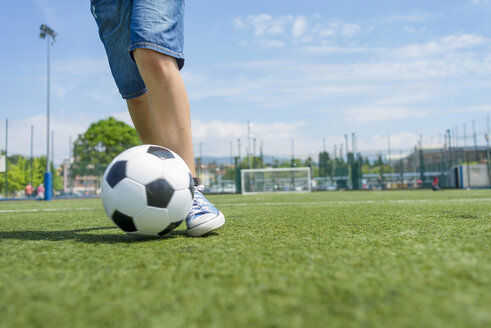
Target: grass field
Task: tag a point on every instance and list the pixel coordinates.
(338, 259)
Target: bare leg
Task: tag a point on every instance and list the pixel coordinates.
(168, 103)
(141, 116)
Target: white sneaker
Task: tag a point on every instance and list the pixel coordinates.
(203, 217)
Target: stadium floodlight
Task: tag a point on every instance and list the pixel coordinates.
(45, 30)
(291, 179)
(47, 33)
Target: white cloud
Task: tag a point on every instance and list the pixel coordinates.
(335, 28)
(412, 29)
(326, 32)
(269, 31)
(239, 23)
(410, 18)
(216, 129)
(398, 141)
(216, 136)
(19, 135)
(264, 43)
(365, 115)
(105, 97)
(81, 66)
(334, 49)
(67, 75)
(480, 108)
(265, 26)
(402, 99)
(48, 9)
(350, 29)
(443, 45)
(191, 77)
(396, 80)
(123, 116)
(272, 43)
(63, 127)
(299, 26)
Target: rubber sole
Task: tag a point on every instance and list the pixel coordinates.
(207, 226)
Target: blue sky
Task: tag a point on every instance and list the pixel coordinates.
(302, 70)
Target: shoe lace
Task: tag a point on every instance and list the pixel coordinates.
(199, 202)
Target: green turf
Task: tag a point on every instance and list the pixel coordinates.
(338, 259)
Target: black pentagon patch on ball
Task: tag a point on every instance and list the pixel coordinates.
(160, 152)
(116, 173)
(169, 228)
(124, 221)
(159, 193)
(191, 185)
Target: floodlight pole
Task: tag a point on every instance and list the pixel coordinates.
(231, 154)
(6, 157)
(238, 148)
(293, 153)
(48, 167)
(389, 159)
(486, 136)
(52, 147)
(249, 136)
(46, 32)
(487, 149)
(450, 157)
(346, 144)
(32, 139)
(253, 152)
(353, 136)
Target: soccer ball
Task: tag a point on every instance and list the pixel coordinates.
(147, 190)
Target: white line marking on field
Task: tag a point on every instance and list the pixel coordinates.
(339, 202)
(50, 209)
(358, 202)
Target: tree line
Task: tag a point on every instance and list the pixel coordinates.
(92, 153)
(23, 171)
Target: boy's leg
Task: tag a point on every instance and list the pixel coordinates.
(168, 102)
(141, 116)
(147, 127)
(162, 115)
(169, 107)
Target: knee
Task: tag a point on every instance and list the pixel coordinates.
(154, 61)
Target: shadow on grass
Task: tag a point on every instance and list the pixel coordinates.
(80, 236)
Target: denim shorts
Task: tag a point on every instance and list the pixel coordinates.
(125, 25)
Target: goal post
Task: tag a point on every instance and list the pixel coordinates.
(295, 179)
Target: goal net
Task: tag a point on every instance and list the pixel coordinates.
(295, 179)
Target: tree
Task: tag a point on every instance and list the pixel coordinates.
(19, 173)
(102, 141)
(314, 170)
(229, 173)
(325, 164)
